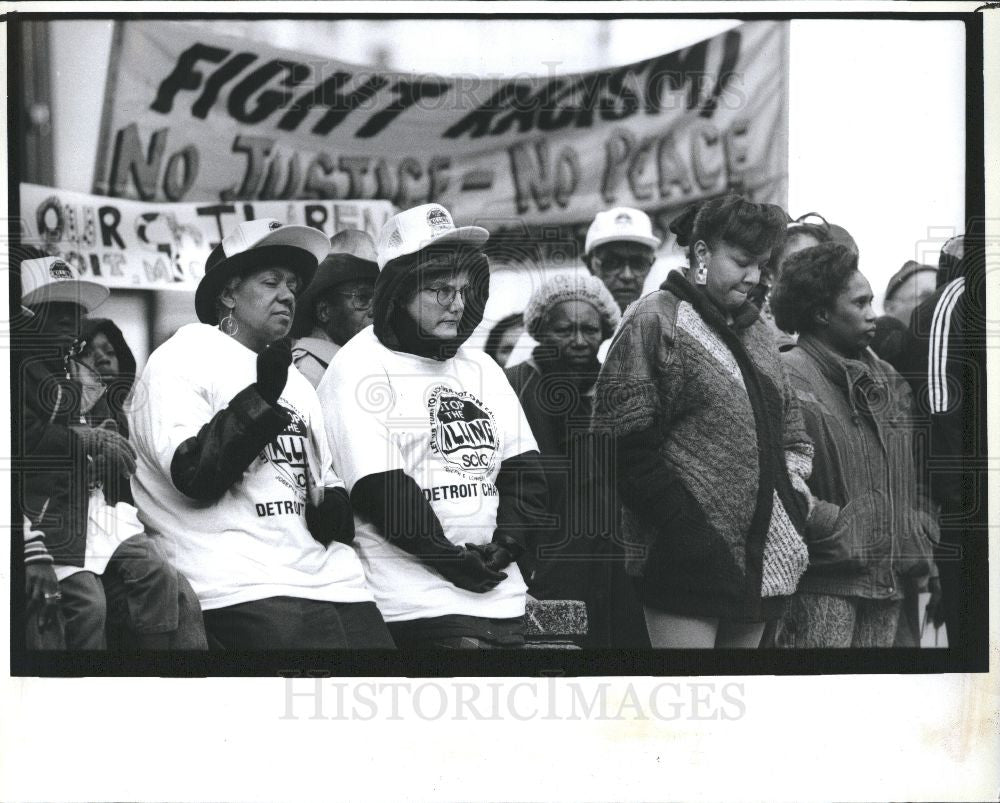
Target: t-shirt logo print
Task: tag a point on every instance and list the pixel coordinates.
(463, 432)
(287, 454)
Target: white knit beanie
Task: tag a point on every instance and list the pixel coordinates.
(571, 287)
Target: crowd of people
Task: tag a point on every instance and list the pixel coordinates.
(323, 460)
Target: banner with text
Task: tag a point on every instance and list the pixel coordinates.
(161, 246)
(193, 115)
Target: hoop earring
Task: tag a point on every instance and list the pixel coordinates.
(229, 325)
(701, 274)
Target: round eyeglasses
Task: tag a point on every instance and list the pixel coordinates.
(446, 293)
(361, 300)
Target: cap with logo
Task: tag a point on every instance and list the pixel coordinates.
(351, 259)
(48, 280)
(620, 224)
(422, 226)
(241, 250)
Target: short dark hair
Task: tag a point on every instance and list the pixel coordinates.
(734, 220)
(502, 326)
(809, 281)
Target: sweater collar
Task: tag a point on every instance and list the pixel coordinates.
(743, 317)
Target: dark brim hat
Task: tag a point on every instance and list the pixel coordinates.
(910, 268)
(254, 245)
(335, 270)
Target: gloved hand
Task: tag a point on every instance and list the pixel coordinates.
(272, 370)
(467, 569)
(109, 450)
(494, 556)
(333, 520)
(499, 553)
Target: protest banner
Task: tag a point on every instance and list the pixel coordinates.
(190, 114)
(163, 246)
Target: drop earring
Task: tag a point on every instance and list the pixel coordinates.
(701, 274)
(229, 325)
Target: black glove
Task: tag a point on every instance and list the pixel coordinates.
(333, 519)
(466, 569)
(500, 553)
(272, 370)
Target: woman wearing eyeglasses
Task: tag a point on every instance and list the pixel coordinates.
(233, 471)
(337, 303)
(711, 453)
(433, 444)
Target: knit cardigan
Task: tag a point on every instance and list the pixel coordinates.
(711, 456)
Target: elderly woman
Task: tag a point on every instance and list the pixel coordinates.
(570, 316)
(869, 530)
(433, 445)
(233, 467)
(711, 454)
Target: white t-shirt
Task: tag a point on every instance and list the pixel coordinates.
(252, 543)
(448, 425)
(108, 527)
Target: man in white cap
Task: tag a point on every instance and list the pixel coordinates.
(86, 563)
(337, 303)
(620, 250)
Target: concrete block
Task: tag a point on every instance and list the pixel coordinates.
(555, 619)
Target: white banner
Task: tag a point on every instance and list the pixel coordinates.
(163, 246)
(192, 115)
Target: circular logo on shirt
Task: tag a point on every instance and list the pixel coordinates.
(286, 454)
(463, 432)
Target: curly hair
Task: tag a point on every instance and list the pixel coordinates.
(734, 220)
(810, 280)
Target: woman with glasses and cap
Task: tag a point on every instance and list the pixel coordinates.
(433, 445)
(233, 466)
(710, 450)
(337, 303)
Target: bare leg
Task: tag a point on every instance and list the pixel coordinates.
(673, 631)
(739, 635)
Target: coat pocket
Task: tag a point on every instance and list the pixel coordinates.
(859, 536)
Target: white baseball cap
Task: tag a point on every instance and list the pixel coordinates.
(419, 227)
(51, 279)
(246, 237)
(620, 224)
